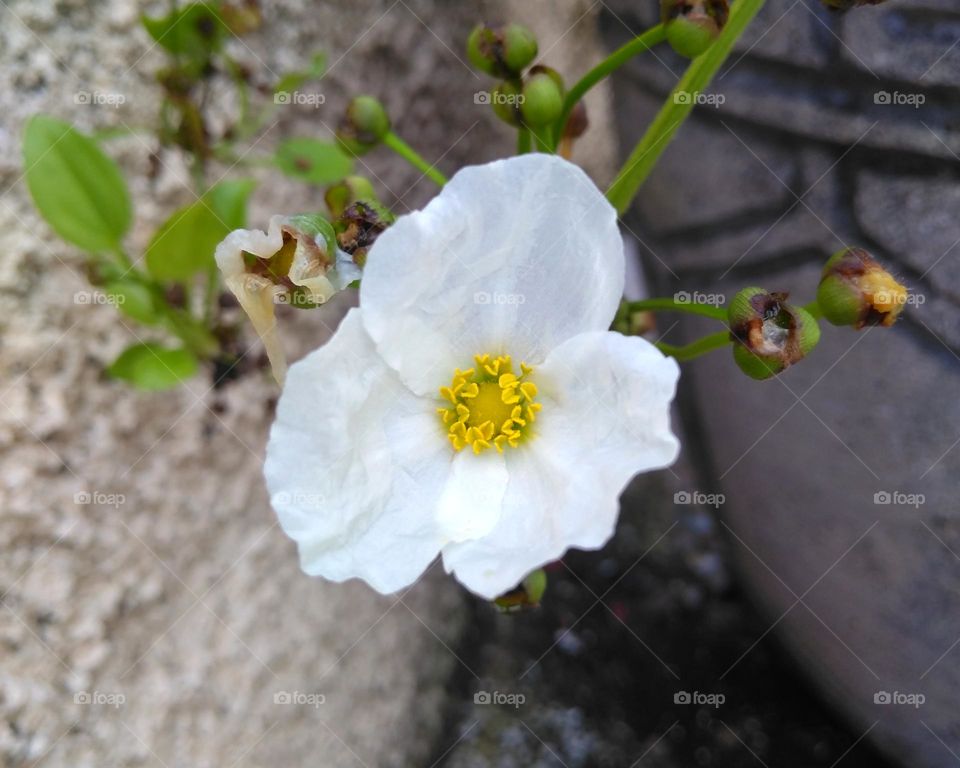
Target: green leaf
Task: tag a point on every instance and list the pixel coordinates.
(134, 299)
(152, 366)
(293, 80)
(194, 31)
(78, 190)
(229, 200)
(184, 245)
(313, 161)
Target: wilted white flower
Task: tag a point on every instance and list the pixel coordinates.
(475, 405)
(296, 261)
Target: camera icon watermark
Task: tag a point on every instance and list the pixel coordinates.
(300, 698)
(715, 700)
(484, 297)
(96, 298)
(899, 499)
(314, 501)
(294, 298)
(889, 297)
(684, 498)
(696, 297)
(100, 499)
(99, 699)
(99, 98)
(498, 97)
(897, 698)
(515, 700)
(899, 98)
(698, 98)
(299, 99)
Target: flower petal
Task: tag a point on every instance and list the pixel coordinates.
(606, 416)
(258, 298)
(512, 257)
(355, 465)
(471, 501)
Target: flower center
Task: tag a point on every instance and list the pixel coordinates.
(489, 405)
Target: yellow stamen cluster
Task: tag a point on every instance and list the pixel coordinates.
(489, 405)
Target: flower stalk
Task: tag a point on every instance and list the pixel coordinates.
(673, 113)
(644, 42)
(695, 349)
(407, 152)
(671, 305)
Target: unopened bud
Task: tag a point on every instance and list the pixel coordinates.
(542, 97)
(632, 322)
(693, 25)
(528, 593)
(364, 126)
(769, 335)
(855, 290)
(502, 51)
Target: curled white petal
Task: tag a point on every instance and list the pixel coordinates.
(515, 257)
(606, 416)
(356, 464)
(258, 298)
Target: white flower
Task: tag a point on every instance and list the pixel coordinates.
(475, 405)
(263, 268)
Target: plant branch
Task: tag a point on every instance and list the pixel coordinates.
(696, 348)
(678, 106)
(407, 152)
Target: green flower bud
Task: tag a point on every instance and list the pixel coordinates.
(350, 190)
(528, 594)
(631, 322)
(502, 51)
(693, 25)
(769, 335)
(506, 100)
(542, 97)
(856, 291)
(364, 125)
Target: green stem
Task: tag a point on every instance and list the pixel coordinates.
(646, 41)
(405, 151)
(677, 109)
(523, 140)
(695, 349)
(541, 139)
(670, 305)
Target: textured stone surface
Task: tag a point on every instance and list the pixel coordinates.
(693, 195)
(916, 219)
(801, 458)
(173, 588)
(906, 41)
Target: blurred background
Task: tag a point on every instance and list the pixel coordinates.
(774, 599)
